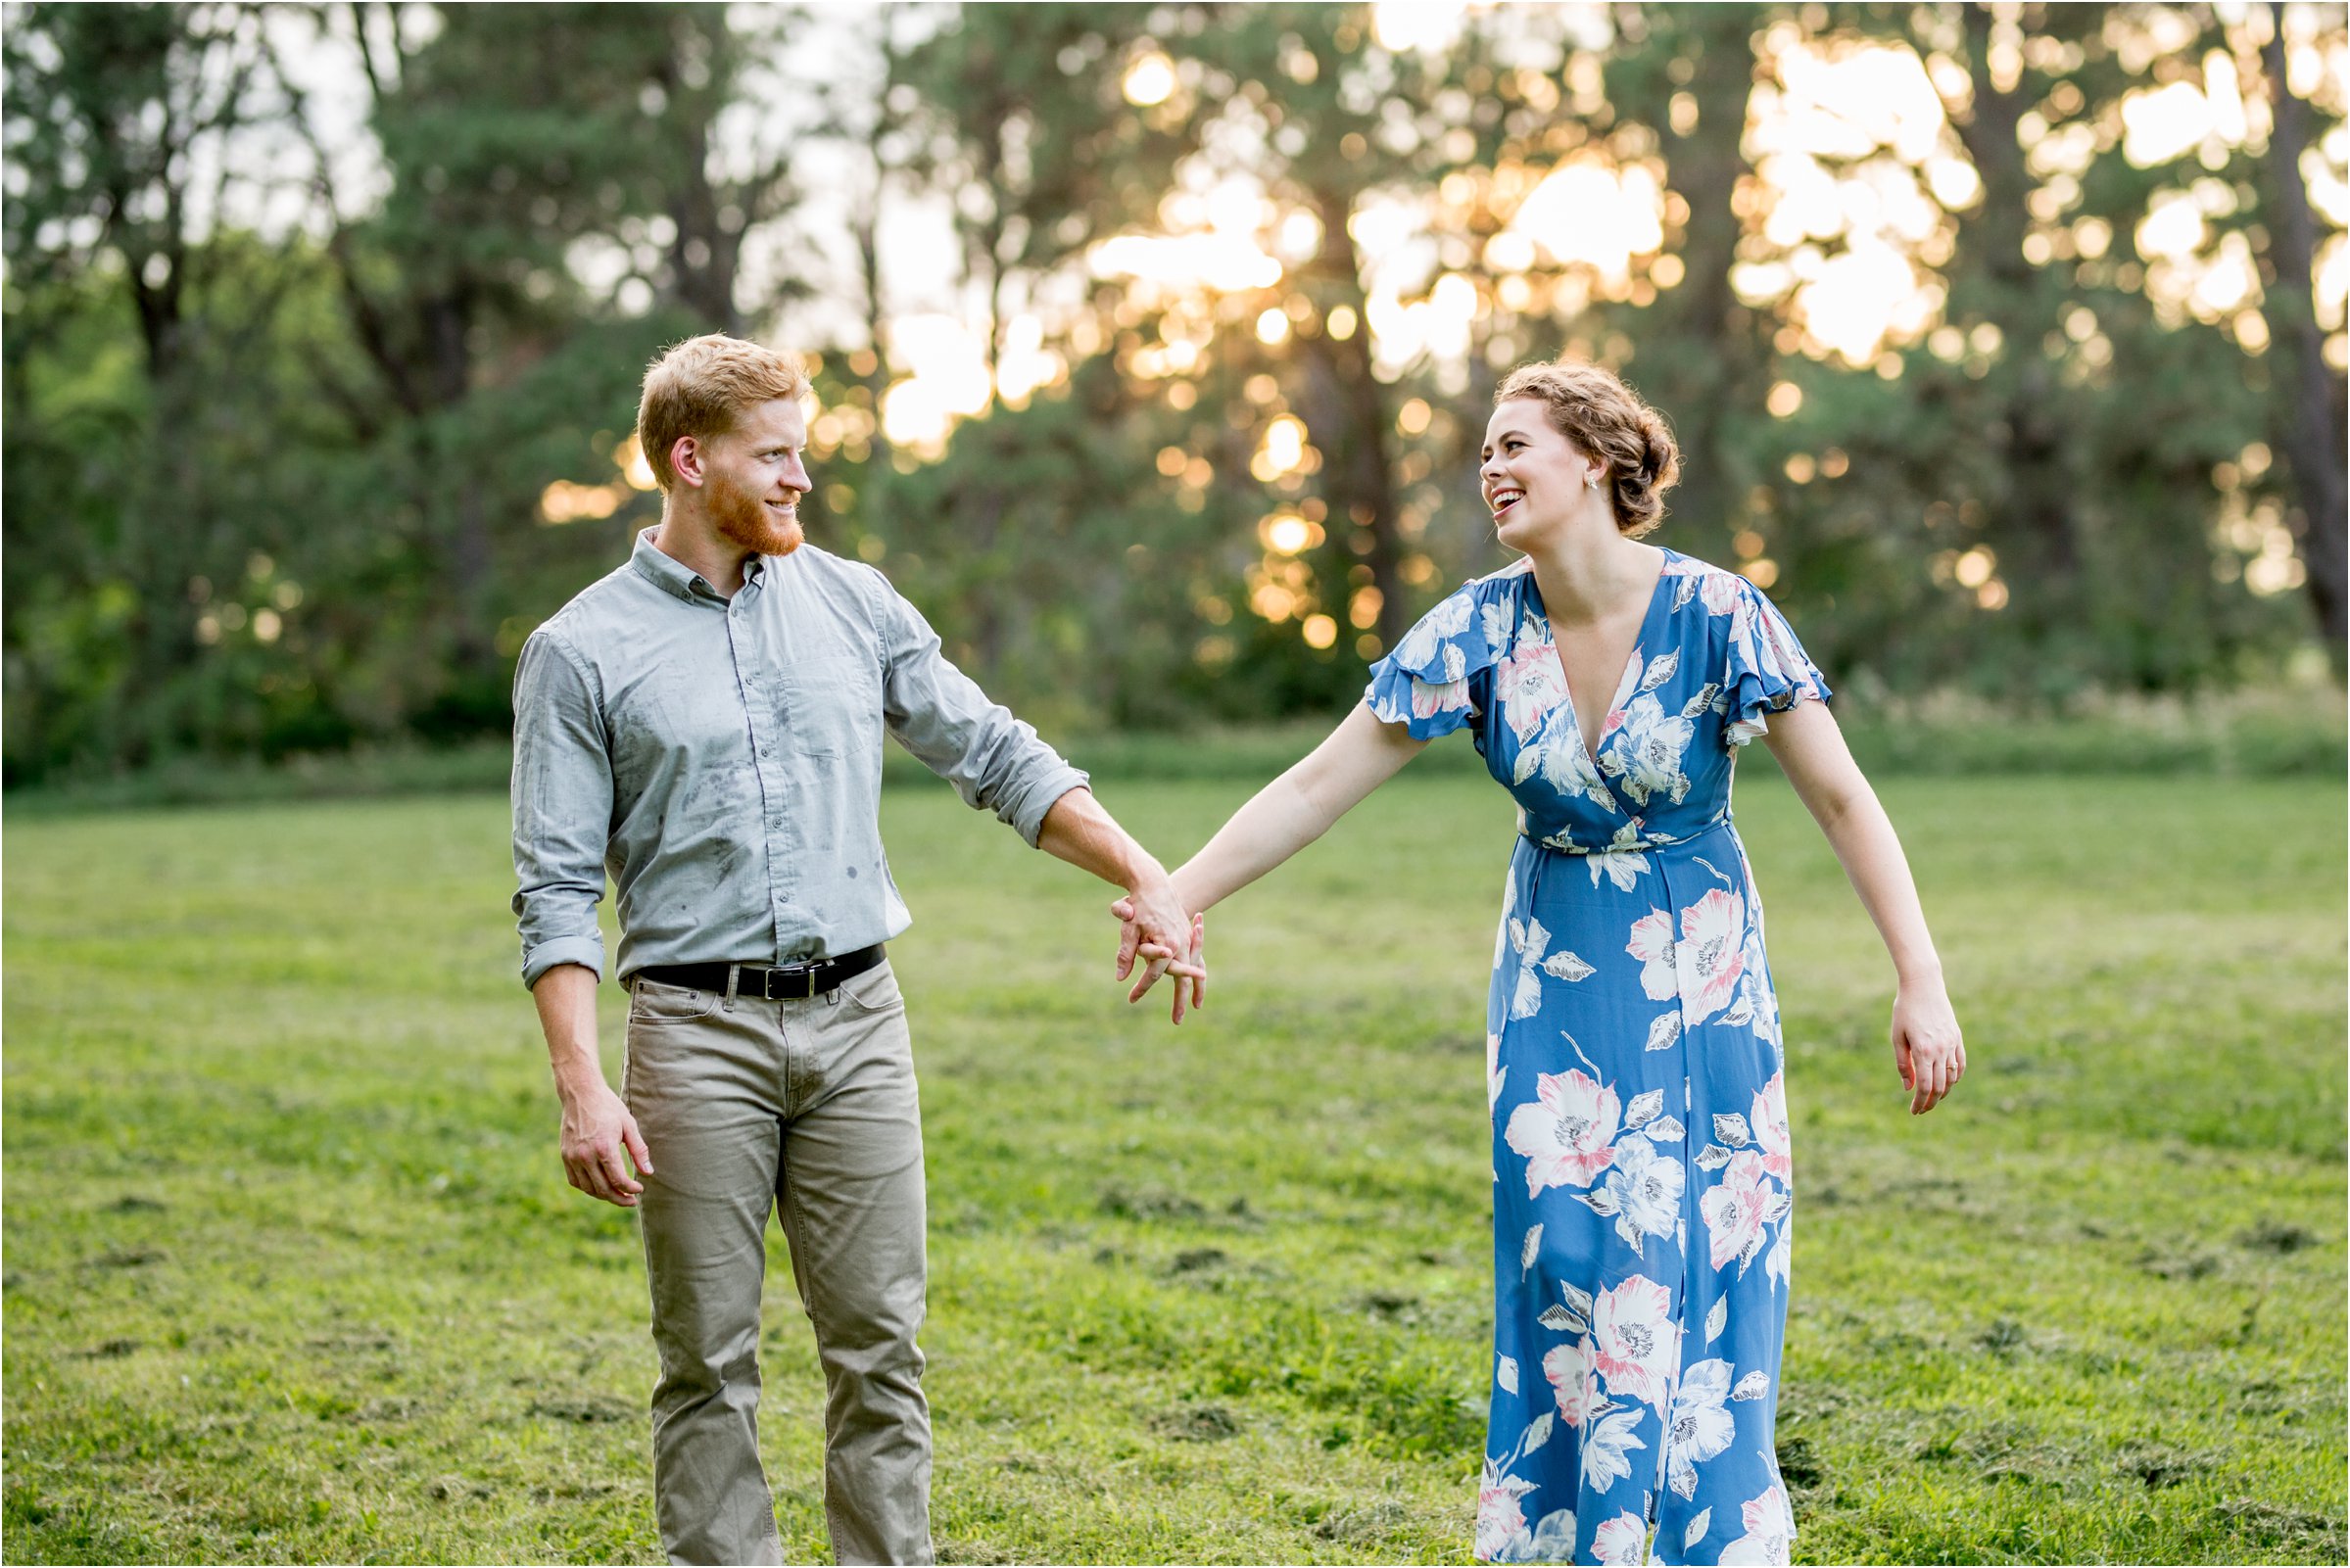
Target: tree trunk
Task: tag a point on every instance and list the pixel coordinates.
(1346, 417)
(449, 325)
(704, 255)
(2026, 441)
(2311, 404)
(1711, 365)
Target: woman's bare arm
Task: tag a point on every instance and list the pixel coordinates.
(1929, 1051)
(1297, 808)
(1291, 812)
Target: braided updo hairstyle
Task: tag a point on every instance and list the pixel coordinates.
(1607, 419)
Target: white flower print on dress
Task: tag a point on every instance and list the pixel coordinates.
(1768, 1121)
(1700, 1426)
(1756, 1008)
(1621, 1540)
(1761, 642)
(1643, 1192)
(1636, 1344)
(1495, 620)
(1623, 860)
(1447, 619)
(1714, 937)
(1501, 1535)
(1566, 1138)
(1647, 759)
(1779, 1262)
(1530, 942)
(1718, 589)
(1770, 1533)
(1607, 1444)
(1557, 757)
(1501, 930)
(1494, 1073)
(1653, 944)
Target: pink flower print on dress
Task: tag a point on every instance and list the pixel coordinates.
(1566, 1138)
(1718, 589)
(1574, 1380)
(1636, 1343)
(1768, 1118)
(1430, 700)
(1500, 1519)
(1734, 1209)
(1713, 938)
(1529, 685)
(1621, 1540)
(1770, 1533)
(1653, 944)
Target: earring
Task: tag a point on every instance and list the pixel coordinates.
(1590, 481)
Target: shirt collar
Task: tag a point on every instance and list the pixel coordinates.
(673, 576)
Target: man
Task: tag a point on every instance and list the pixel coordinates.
(705, 723)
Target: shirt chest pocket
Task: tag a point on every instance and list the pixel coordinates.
(831, 707)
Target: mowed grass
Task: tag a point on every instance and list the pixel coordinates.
(293, 1274)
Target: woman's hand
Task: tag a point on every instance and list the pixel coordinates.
(1929, 1052)
(1133, 944)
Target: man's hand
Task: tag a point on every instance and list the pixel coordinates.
(596, 1127)
(1078, 830)
(1158, 931)
(1187, 962)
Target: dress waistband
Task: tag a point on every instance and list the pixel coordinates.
(1632, 838)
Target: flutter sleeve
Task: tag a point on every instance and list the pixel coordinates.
(1440, 676)
(1768, 672)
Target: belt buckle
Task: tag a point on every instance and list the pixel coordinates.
(798, 984)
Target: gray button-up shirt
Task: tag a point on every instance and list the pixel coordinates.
(722, 759)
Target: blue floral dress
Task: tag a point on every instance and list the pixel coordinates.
(1642, 1185)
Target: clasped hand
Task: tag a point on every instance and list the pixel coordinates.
(1155, 930)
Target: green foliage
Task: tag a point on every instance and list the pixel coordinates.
(300, 1279)
(277, 490)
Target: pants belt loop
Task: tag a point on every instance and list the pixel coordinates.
(734, 980)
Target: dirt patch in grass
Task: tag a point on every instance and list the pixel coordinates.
(1200, 1423)
(587, 1409)
(2270, 1237)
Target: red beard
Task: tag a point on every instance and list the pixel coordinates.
(743, 519)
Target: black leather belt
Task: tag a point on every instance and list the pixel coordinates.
(790, 983)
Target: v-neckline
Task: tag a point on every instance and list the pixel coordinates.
(1640, 641)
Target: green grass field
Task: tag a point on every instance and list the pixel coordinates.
(292, 1272)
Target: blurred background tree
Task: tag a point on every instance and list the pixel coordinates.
(1153, 344)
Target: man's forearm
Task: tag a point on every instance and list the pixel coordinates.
(566, 999)
(1078, 830)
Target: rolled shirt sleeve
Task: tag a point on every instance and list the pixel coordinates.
(563, 796)
(995, 761)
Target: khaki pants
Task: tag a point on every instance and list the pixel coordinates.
(807, 1106)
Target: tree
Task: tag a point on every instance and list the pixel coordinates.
(119, 141)
(2310, 414)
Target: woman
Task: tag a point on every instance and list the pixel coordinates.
(1642, 1181)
